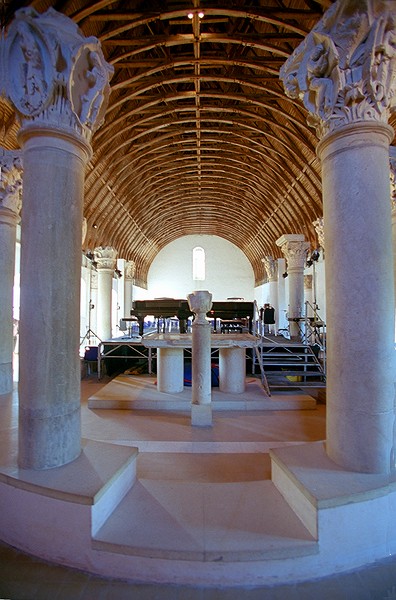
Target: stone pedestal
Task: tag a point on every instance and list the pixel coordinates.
(10, 205)
(106, 259)
(200, 303)
(232, 367)
(170, 370)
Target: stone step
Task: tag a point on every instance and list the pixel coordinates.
(193, 519)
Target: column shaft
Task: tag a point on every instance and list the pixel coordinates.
(360, 302)
(49, 391)
(105, 282)
(170, 370)
(232, 370)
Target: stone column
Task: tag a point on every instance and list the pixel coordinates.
(200, 303)
(170, 370)
(308, 294)
(295, 250)
(57, 81)
(345, 74)
(281, 321)
(10, 206)
(271, 267)
(93, 319)
(106, 262)
(129, 274)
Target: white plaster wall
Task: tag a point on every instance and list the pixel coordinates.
(228, 271)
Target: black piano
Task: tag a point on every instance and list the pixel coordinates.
(164, 308)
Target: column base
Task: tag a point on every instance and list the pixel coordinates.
(201, 415)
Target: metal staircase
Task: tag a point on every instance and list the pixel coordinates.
(290, 364)
(286, 364)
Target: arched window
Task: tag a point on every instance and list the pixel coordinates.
(198, 264)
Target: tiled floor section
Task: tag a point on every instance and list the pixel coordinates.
(25, 578)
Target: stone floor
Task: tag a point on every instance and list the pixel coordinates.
(159, 436)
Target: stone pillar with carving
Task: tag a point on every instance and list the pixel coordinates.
(129, 274)
(10, 206)
(344, 72)
(200, 303)
(58, 82)
(295, 249)
(106, 262)
(271, 268)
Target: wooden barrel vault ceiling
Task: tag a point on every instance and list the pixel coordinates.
(199, 137)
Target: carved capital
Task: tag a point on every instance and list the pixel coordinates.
(271, 267)
(200, 303)
(294, 249)
(129, 270)
(11, 180)
(105, 257)
(345, 70)
(54, 76)
(319, 228)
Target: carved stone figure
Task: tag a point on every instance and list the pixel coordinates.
(345, 70)
(54, 75)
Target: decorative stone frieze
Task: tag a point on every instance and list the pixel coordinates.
(129, 270)
(54, 76)
(271, 267)
(345, 69)
(319, 228)
(11, 181)
(106, 257)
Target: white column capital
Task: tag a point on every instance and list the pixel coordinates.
(129, 270)
(271, 267)
(10, 183)
(345, 69)
(106, 257)
(294, 249)
(56, 78)
(200, 303)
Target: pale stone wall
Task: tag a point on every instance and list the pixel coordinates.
(228, 271)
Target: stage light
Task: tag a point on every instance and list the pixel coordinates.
(309, 263)
(285, 275)
(95, 226)
(315, 255)
(190, 15)
(201, 15)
